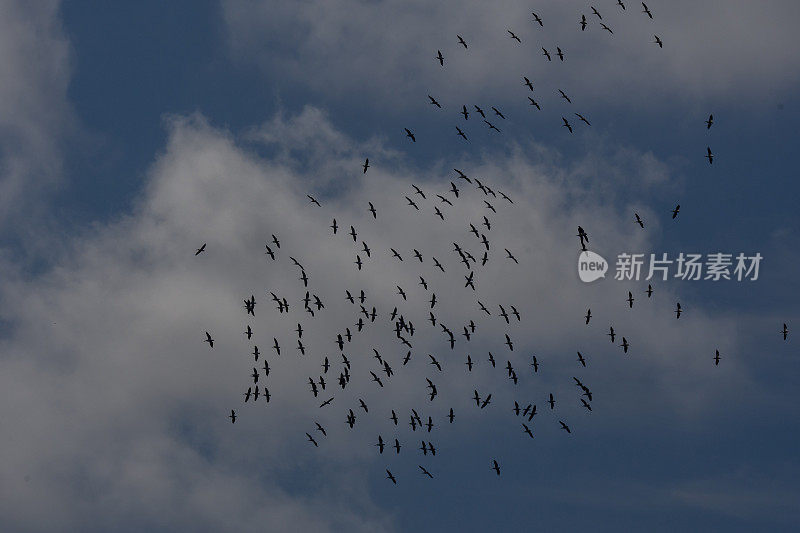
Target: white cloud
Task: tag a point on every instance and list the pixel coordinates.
(117, 410)
(34, 114)
(346, 49)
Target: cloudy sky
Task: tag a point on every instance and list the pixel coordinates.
(130, 135)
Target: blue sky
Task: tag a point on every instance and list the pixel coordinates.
(150, 129)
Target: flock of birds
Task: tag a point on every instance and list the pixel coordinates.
(380, 369)
(529, 84)
(403, 328)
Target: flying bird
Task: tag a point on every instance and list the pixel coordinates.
(201, 249)
(582, 235)
(492, 126)
(486, 401)
(528, 83)
(462, 176)
(509, 343)
(527, 430)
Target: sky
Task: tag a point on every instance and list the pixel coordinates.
(132, 134)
